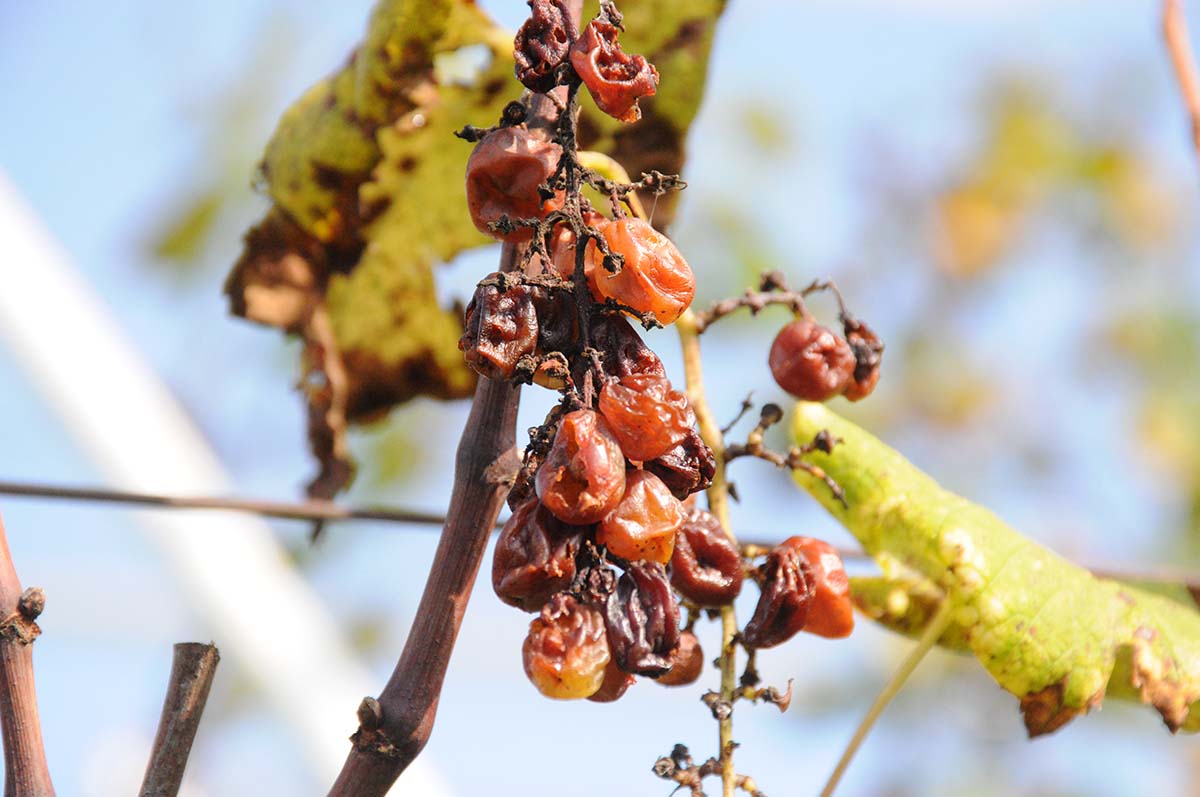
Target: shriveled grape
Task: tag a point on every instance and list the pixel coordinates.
(786, 582)
(706, 567)
(583, 476)
(646, 414)
(643, 620)
(503, 174)
(654, 278)
(831, 614)
(542, 44)
(687, 664)
(644, 522)
(501, 327)
(868, 354)
(811, 362)
(566, 651)
(687, 468)
(615, 79)
(622, 350)
(534, 556)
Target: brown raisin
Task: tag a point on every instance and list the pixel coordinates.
(687, 468)
(534, 557)
(687, 664)
(643, 620)
(654, 277)
(786, 584)
(501, 327)
(542, 44)
(868, 354)
(811, 362)
(583, 476)
(615, 79)
(706, 566)
(647, 415)
(622, 350)
(566, 650)
(831, 614)
(503, 174)
(643, 524)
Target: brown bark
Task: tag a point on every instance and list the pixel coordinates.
(394, 729)
(192, 671)
(25, 770)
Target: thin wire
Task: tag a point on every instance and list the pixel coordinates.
(329, 511)
(301, 510)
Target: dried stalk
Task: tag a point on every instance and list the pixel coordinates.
(25, 771)
(718, 503)
(192, 670)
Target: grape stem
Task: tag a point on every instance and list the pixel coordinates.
(718, 504)
(772, 290)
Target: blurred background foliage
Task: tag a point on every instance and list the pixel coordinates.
(1007, 193)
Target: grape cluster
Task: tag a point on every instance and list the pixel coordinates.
(592, 503)
(603, 543)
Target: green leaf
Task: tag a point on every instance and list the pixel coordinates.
(1048, 631)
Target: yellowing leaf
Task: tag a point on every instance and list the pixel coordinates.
(367, 183)
(1048, 631)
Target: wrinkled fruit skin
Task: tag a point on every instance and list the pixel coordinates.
(622, 351)
(868, 355)
(500, 328)
(831, 613)
(534, 557)
(688, 662)
(566, 653)
(811, 362)
(583, 477)
(542, 44)
(787, 592)
(615, 79)
(646, 414)
(706, 567)
(503, 174)
(687, 468)
(643, 621)
(643, 524)
(616, 683)
(654, 278)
